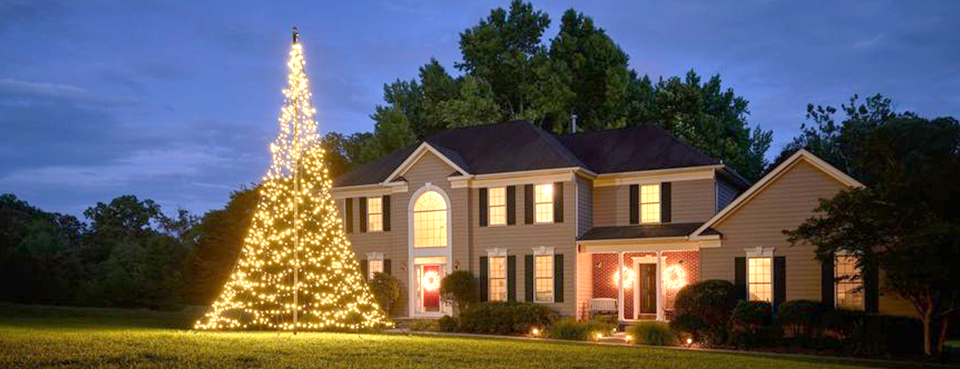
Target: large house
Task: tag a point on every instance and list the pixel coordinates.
(612, 222)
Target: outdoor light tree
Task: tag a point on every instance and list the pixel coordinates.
(296, 270)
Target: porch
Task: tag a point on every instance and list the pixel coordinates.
(634, 279)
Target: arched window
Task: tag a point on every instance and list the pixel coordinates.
(430, 220)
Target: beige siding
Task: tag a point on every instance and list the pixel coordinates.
(584, 205)
(726, 193)
(784, 204)
(584, 284)
(692, 201)
(520, 239)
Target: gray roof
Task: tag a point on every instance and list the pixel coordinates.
(641, 231)
(522, 146)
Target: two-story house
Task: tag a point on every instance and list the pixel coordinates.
(612, 222)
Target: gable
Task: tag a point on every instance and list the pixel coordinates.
(428, 168)
(789, 199)
(800, 168)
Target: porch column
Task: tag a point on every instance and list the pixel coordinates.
(659, 283)
(620, 312)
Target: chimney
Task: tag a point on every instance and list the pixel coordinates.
(573, 123)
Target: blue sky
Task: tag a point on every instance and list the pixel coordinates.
(177, 100)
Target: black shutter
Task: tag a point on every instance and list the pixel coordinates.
(363, 214)
(348, 213)
(558, 278)
(740, 277)
(511, 205)
(779, 281)
(871, 286)
(386, 266)
(512, 277)
(528, 278)
(528, 204)
(483, 278)
(827, 283)
(364, 268)
(386, 213)
(558, 202)
(634, 204)
(665, 206)
(483, 207)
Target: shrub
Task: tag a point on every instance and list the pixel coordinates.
(872, 335)
(801, 318)
(422, 325)
(703, 309)
(459, 289)
(509, 317)
(653, 333)
(448, 324)
(751, 324)
(571, 329)
(386, 289)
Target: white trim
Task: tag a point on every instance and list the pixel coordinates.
(374, 256)
(496, 252)
(414, 253)
(768, 179)
(544, 251)
(760, 252)
(416, 155)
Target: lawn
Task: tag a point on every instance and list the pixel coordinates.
(59, 337)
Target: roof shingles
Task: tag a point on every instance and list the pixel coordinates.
(521, 146)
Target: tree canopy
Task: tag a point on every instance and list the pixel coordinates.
(509, 72)
(906, 220)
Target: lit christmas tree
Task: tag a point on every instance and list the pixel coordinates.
(296, 270)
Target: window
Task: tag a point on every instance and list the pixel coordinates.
(374, 214)
(759, 278)
(498, 278)
(430, 220)
(543, 203)
(374, 266)
(849, 284)
(650, 203)
(497, 203)
(543, 278)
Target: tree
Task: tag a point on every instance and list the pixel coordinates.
(906, 221)
(386, 289)
(509, 73)
(713, 120)
(459, 289)
(296, 269)
(474, 105)
(503, 50)
(218, 238)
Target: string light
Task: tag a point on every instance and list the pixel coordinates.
(296, 270)
(628, 277)
(674, 277)
(430, 281)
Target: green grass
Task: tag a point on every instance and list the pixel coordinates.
(66, 337)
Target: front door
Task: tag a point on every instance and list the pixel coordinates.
(648, 288)
(429, 281)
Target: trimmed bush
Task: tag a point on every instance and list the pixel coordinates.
(386, 290)
(653, 333)
(571, 329)
(459, 289)
(422, 325)
(703, 309)
(801, 319)
(509, 317)
(448, 324)
(751, 324)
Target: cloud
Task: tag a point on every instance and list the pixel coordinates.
(17, 90)
(869, 42)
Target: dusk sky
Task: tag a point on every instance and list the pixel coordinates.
(177, 101)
